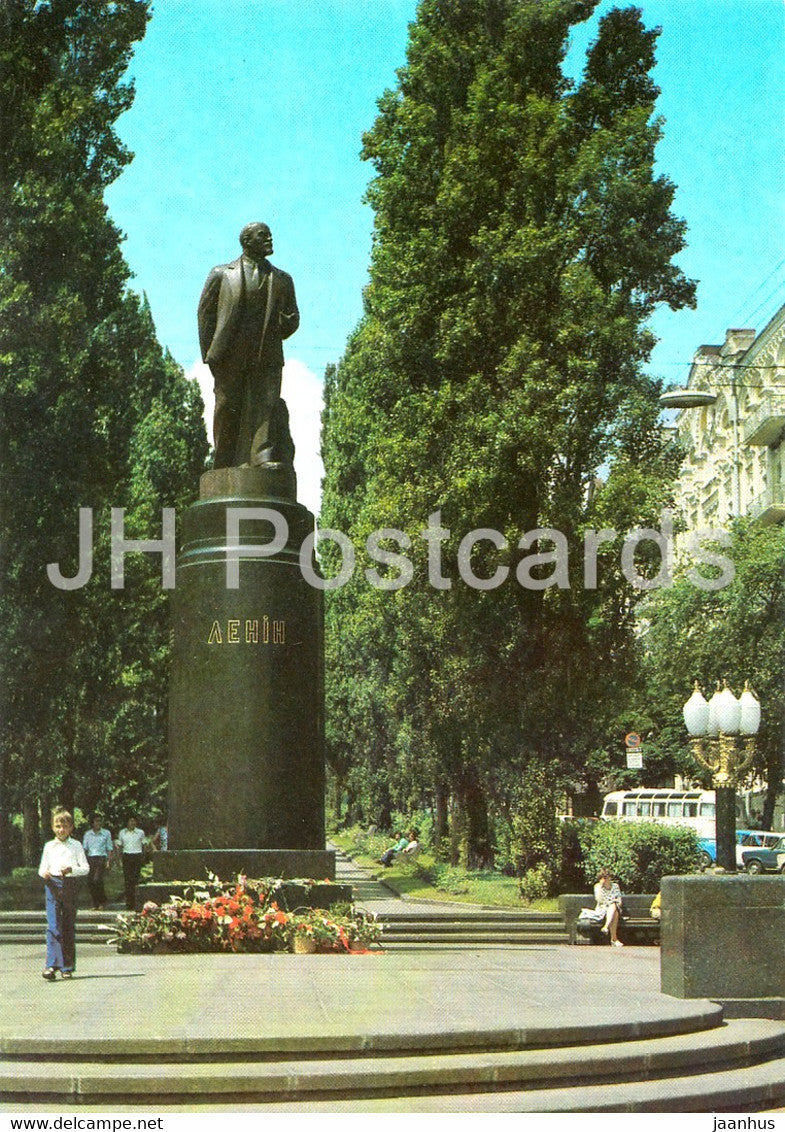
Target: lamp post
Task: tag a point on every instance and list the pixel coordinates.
(722, 736)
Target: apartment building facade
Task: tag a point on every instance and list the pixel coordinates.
(731, 423)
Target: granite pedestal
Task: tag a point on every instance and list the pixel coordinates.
(246, 722)
(723, 937)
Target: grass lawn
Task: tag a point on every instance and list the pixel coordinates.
(423, 879)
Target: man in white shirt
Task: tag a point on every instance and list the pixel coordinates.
(98, 846)
(62, 861)
(130, 842)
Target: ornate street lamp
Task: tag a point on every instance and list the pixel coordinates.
(722, 736)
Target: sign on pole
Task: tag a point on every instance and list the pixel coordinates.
(632, 741)
(635, 760)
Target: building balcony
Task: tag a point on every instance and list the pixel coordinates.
(769, 507)
(766, 425)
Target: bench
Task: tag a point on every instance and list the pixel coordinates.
(635, 925)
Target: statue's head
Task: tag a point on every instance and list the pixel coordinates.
(257, 240)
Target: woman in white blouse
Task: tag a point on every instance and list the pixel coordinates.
(607, 894)
(62, 861)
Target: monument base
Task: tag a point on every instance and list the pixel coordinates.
(194, 864)
(180, 870)
(246, 697)
(722, 938)
(289, 898)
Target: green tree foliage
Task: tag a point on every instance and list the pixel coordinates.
(522, 239)
(734, 633)
(93, 413)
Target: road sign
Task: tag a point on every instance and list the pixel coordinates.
(632, 741)
(635, 760)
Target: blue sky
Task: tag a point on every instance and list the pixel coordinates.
(254, 109)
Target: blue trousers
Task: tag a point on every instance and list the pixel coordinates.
(61, 923)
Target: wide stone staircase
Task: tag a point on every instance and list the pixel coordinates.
(451, 928)
(701, 1065)
(412, 928)
(406, 924)
(30, 927)
(409, 925)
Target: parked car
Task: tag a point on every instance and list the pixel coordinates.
(746, 839)
(708, 851)
(762, 852)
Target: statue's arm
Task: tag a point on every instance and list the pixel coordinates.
(290, 315)
(208, 310)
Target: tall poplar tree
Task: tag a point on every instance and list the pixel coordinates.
(82, 376)
(522, 240)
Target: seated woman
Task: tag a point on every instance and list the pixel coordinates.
(607, 894)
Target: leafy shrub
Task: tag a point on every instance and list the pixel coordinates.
(537, 882)
(639, 854)
(449, 879)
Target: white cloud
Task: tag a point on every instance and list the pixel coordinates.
(200, 373)
(303, 392)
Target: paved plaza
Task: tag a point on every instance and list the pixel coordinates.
(328, 1000)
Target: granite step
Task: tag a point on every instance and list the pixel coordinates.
(30, 927)
(473, 939)
(469, 916)
(103, 937)
(756, 1088)
(561, 1078)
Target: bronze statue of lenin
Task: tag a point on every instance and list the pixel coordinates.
(247, 308)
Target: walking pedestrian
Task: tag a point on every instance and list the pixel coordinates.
(62, 861)
(130, 843)
(99, 849)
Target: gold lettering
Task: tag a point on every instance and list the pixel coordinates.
(254, 633)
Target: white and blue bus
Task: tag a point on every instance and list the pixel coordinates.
(692, 808)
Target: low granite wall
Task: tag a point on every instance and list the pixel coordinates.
(723, 937)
